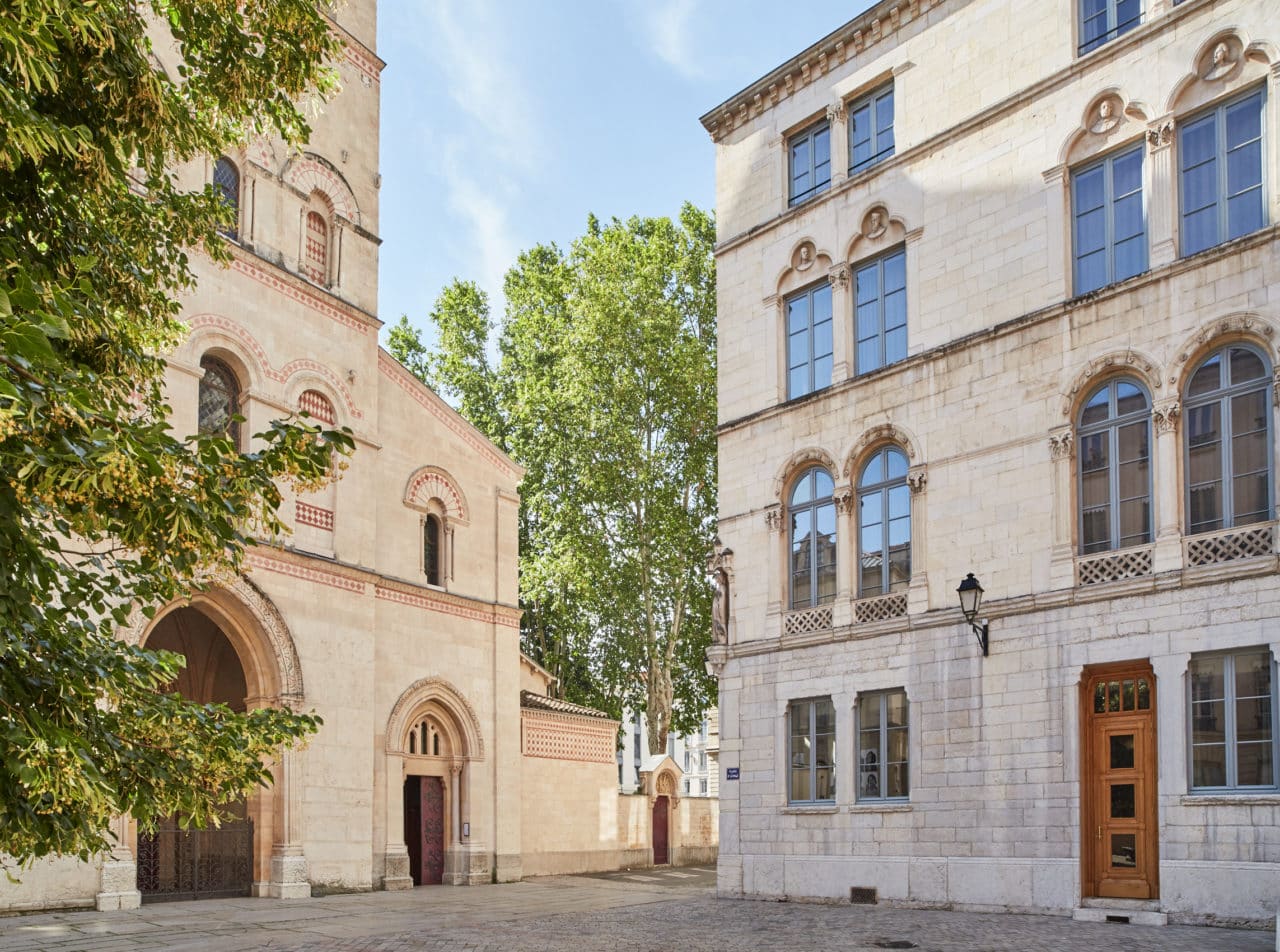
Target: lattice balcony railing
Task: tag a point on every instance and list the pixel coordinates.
(807, 620)
(1214, 548)
(880, 608)
(1113, 566)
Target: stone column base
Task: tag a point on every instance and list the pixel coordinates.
(467, 866)
(118, 883)
(510, 868)
(289, 877)
(396, 870)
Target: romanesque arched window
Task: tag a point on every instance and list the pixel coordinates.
(1228, 434)
(226, 179)
(812, 512)
(1115, 467)
(315, 248)
(219, 399)
(884, 524)
(432, 549)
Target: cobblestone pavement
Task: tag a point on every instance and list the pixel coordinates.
(638, 911)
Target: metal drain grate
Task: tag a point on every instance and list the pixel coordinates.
(894, 944)
(862, 895)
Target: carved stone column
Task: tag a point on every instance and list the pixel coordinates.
(118, 876)
(846, 557)
(455, 804)
(841, 325)
(839, 143)
(1062, 448)
(1162, 188)
(1168, 550)
(1057, 229)
(918, 588)
(773, 546)
(289, 879)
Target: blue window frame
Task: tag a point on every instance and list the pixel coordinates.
(880, 311)
(1227, 415)
(883, 758)
(811, 729)
(1233, 721)
(813, 539)
(1115, 468)
(871, 129)
(810, 162)
(1220, 155)
(1103, 20)
(809, 341)
(1109, 231)
(884, 524)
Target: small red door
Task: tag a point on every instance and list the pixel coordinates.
(424, 829)
(660, 857)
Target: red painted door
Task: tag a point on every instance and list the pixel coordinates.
(660, 856)
(432, 831)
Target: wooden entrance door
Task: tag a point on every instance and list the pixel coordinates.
(424, 829)
(660, 830)
(1119, 821)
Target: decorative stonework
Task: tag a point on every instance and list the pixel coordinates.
(797, 462)
(868, 611)
(567, 737)
(804, 256)
(875, 223)
(773, 518)
(1160, 135)
(839, 276)
(1222, 61)
(917, 479)
(844, 500)
(1113, 566)
(1062, 444)
(1127, 360)
(1228, 545)
(1106, 117)
(835, 113)
(310, 173)
(432, 482)
(807, 620)
(1164, 417)
(1236, 326)
(316, 516)
(884, 433)
(450, 699)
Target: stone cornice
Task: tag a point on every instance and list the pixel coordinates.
(870, 30)
(840, 392)
(358, 53)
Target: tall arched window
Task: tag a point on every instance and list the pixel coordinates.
(1115, 468)
(315, 249)
(813, 539)
(1228, 432)
(432, 550)
(884, 524)
(226, 179)
(219, 399)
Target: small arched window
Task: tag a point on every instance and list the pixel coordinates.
(219, 399)
(813, 539)
(226, 179)
(1228, 434)
(884, 524)
(431, 549)
(315, 249)
(1115, 468)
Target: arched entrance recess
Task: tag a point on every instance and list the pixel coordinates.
(433, 744)
(239, 651)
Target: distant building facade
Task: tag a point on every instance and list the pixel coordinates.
(999, 293)
(692, 753)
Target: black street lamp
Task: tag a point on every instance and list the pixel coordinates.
(970, 592)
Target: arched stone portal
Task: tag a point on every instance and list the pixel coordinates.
(239, 652)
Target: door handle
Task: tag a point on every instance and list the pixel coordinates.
(1099, 832)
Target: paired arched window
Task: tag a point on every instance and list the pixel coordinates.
(1115, 468)
(812, 509)
(219, 399)
(884, 524)
(432, 549)
(226, 179)
(315, 248)
(1228, 433)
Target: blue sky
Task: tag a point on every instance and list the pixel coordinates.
(504, 124)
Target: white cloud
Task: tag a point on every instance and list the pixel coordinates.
(669, 26)
(480, 200)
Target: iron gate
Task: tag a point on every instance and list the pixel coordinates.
(174, 863)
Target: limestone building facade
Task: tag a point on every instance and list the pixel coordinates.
(391, 611)
(995, 297)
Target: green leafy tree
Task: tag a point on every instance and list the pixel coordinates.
(605, 392)
(102, 507)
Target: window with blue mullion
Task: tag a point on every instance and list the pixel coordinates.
(1109, 233)
(810, 162)
(880, 312)
(1221, 159)
(1103, 20)
(871, 130)
(809, 341)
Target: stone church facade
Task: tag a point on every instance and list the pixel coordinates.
(995, 297)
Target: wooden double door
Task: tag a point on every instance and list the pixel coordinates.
(1119, 810)
(424, 829)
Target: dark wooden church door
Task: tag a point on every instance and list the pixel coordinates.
(424, 829)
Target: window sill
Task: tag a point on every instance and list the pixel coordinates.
(891, 806)
(1269, 798)
(816, 809)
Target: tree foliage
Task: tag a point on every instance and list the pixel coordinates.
(604, 390)
(102, 507)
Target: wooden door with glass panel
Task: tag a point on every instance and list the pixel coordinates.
(1118, 783)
